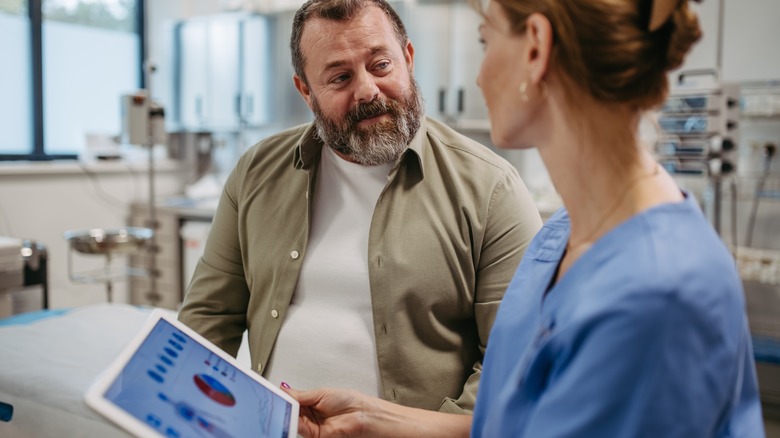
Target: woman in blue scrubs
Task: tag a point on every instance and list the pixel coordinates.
(626, 316)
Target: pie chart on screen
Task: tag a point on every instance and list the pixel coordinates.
(214, 390)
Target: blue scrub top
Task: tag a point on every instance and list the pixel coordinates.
(645, 335)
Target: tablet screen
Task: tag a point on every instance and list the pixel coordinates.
(179, 388)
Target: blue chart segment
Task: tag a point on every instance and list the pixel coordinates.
(197, 420)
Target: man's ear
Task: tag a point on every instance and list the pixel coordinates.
(409, 56)
(539, 35)
(302, 88)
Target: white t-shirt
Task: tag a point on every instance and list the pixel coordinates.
(327, 337)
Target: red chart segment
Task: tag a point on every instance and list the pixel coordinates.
(214, 390)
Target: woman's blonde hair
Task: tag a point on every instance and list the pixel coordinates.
(605, 47)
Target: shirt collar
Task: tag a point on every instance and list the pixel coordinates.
(417, 146)
(308, 148)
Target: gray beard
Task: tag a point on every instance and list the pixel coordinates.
(380, 143)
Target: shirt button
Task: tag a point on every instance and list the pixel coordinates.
(259, 368)
(295, 255)
(274, 313)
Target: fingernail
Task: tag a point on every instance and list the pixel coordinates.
(285, 385)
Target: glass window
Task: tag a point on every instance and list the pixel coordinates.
(66, 64)
(16, 112)
(91, 52)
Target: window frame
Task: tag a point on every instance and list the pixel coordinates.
(35, 14)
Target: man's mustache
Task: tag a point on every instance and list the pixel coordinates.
(375, 108)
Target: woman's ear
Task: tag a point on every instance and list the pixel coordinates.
(539, 35)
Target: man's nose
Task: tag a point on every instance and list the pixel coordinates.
(366, 89)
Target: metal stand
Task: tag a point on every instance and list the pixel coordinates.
(152, 295)
(141, 115)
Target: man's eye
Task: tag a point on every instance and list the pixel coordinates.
(340, 78)
(383, 65)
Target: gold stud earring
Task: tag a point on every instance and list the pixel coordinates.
(524, 91)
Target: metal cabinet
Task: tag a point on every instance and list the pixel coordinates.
(289, 108)
(256, 72)
(738, 40)
(222, 67)
(448, 57)
(749, 39)
(191, 74)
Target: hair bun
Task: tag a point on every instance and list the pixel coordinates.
(684, 32)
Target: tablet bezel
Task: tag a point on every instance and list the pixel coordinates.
(95, 395)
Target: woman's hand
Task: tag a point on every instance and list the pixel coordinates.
(331, 412)
(342, 413)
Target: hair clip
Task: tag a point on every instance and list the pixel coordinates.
(660, 12)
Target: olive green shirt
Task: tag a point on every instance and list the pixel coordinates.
(447, 234)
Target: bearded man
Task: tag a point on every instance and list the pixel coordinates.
(370, 248)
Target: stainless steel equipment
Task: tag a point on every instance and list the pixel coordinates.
(36, 270)
(700, 135)
(195, 149)
(23, 265)
(11, 272)
(99, 241)
(107, 243)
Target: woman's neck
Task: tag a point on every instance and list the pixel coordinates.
(603, 174)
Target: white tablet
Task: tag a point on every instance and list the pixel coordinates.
(171, 382)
